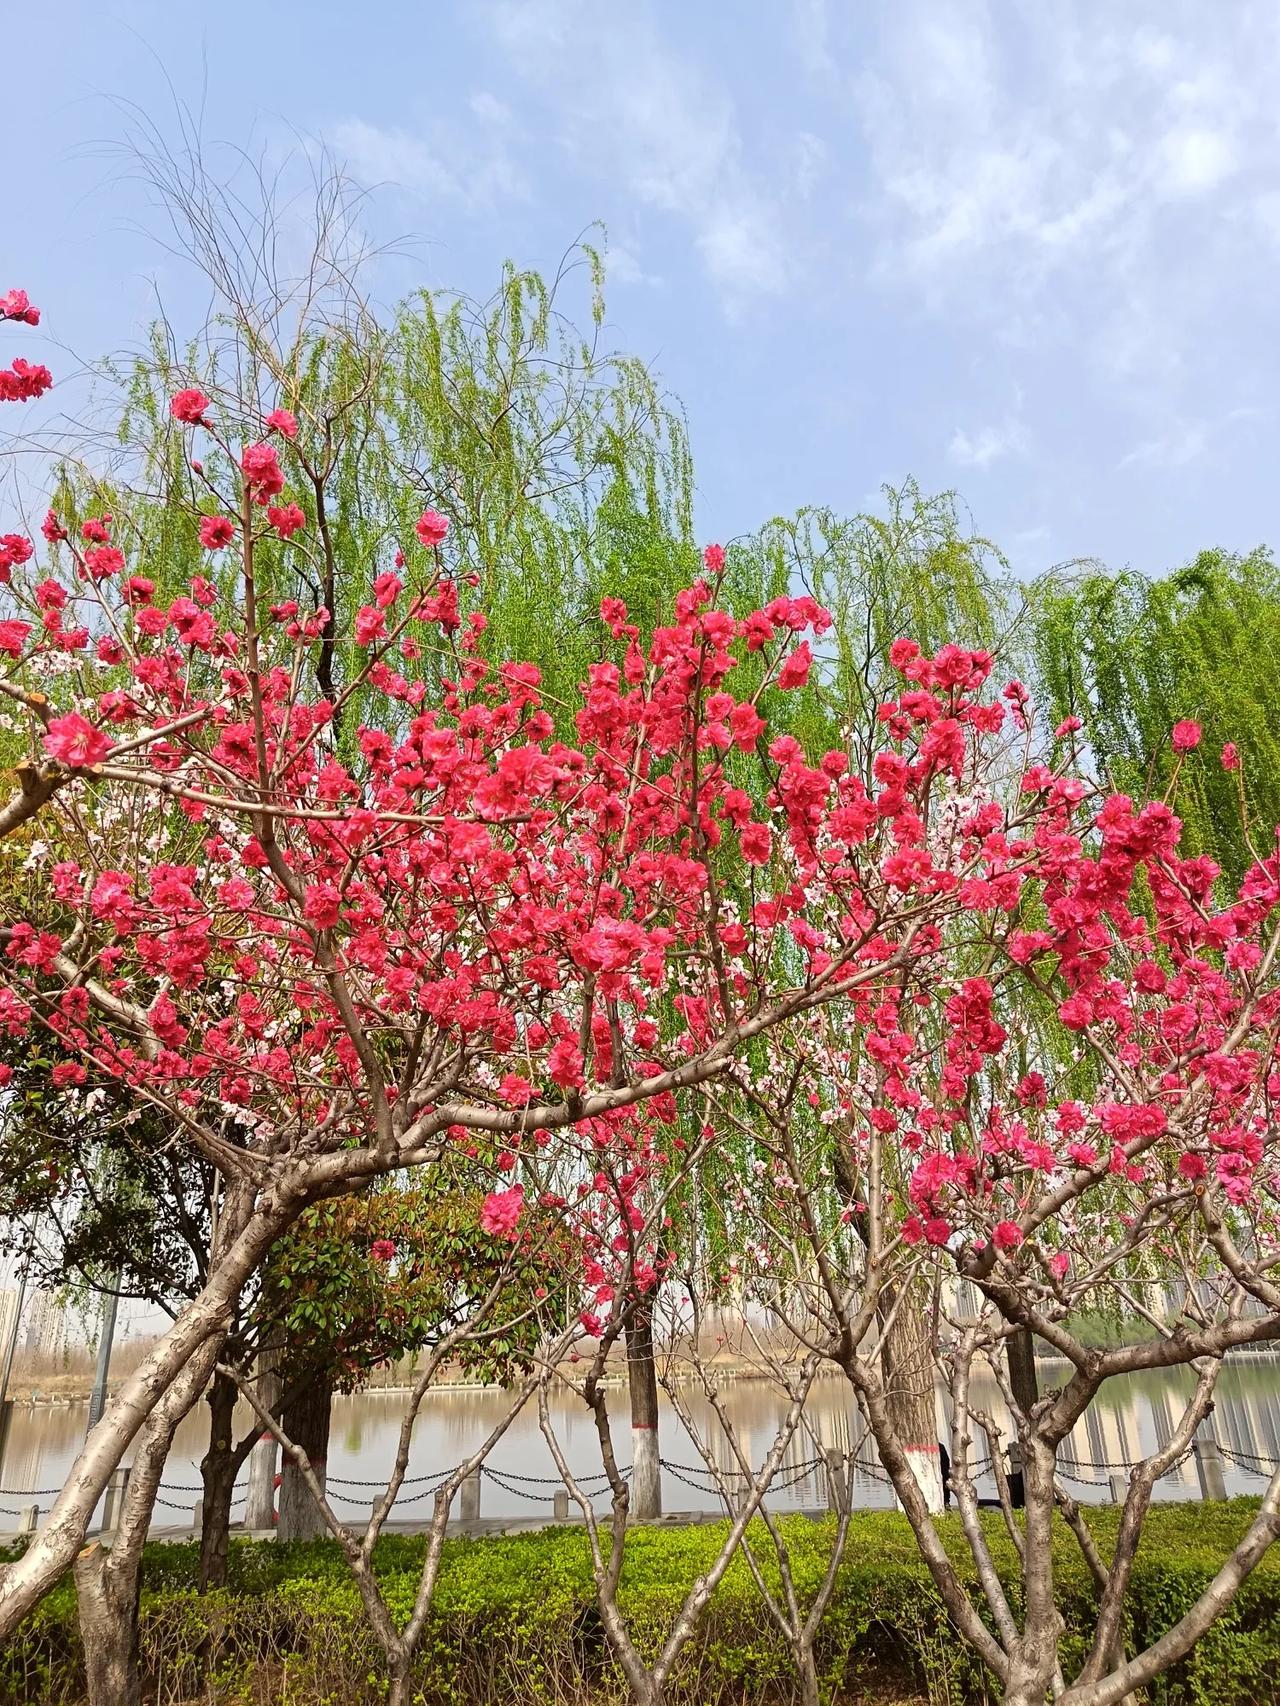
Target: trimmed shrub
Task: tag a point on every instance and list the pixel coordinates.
(515, 1618)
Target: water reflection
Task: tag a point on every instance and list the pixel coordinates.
(1131, 1418)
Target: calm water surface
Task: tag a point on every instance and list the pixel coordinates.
(1131, 1418)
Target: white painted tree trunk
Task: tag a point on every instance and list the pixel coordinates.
(646, 1473)
(926, 1465)
(260, 1495)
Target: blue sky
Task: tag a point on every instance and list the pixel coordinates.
(1026, 249)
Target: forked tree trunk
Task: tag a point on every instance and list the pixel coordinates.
(907, 1362)
(306, 1423)
(108, 1609)
(807, 1676)
(217, 1475)
(642, 1383)
(399, 1686)
(109, 1582)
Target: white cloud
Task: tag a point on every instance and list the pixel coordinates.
(1197, 159)
(398, 157)
(812, 27)
(1083, 183)
(810, 162)
(1185, 442)
(629, 111)
(980, 448)
(624, 267)
(1040, 139)
(474, 164)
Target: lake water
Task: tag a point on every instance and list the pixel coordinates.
(1130, 1418)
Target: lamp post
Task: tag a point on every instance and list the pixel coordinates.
(98, 1397)
(6, 1369)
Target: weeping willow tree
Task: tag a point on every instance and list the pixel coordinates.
(559, 462)
(1131, 656)
(914, 569)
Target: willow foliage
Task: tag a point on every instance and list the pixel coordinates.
(912, 569)
(1132, 656)
(561, 466)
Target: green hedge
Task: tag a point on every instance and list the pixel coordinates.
(515, 1618)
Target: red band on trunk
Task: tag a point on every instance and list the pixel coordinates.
(644, 1427)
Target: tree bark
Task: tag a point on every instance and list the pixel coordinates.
(217, 1474)
(642, 1383)
(197, 1333)
(109, 1583)
(909, 1389)
(1020, 1349)
(306, 1423)
(108, 1611)
(1020, 1353)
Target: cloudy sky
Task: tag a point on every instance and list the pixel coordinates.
(1027, 249)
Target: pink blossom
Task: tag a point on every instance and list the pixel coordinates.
(15, 549)
(756, 842)
(216, 531)
(189, 407)
(516, 1090)
(262, 472)
(283, 422)
(13, 636)
(24, 381)
(74, 741)
(795, 671)
(322, 905)
(431, 527)
(102, 561)
(1186, 735)
(16, 305)
(287, 519)
(500, 1212)
(382, 1250)
(1007, 1235)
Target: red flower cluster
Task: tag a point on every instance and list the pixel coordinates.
(16, 305)
(24, 381)
(585, 928)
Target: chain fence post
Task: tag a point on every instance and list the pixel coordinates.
(1208, 1456)
(469, 1503)
(117, 1487)
(837, 1484)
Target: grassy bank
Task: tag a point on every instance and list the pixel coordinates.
(515, 1620)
